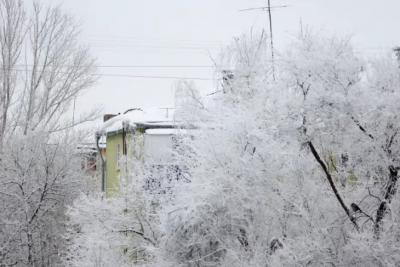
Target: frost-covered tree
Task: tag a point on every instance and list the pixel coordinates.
(349, 124)
(300, 170)
(38, 178)
(118, 231)
(232, 211)
(297, 171)
(43, 68)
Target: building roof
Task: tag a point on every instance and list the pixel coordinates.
(138, 118)
(88, 148)
(165, 131)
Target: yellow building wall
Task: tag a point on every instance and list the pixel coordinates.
(113, 170)
(135, 146)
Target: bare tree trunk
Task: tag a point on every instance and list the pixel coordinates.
(30, 248)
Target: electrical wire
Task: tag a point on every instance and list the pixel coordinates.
(142, 66)
(131, 76)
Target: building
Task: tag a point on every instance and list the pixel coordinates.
(146, 135)
(88, 155)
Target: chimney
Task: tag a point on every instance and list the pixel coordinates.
(396, 51)
(106, 117)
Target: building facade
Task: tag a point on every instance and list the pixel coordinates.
(145, 136)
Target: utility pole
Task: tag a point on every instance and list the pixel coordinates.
(268, 8)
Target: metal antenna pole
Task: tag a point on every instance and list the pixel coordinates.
(268, 8)
(271, 38)
(167, 111)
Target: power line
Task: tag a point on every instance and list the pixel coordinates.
(141, 66)
(152, 40)
(158, 66)
(201, 48)
(153, 77)
(263, 8)
(129, 75)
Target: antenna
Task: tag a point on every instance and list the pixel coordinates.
(268, 8)
(167, 112)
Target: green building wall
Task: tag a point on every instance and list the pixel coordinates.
(113, 170)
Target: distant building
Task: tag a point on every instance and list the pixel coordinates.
(88, 154)
(152, 130)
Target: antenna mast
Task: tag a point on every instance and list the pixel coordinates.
(268, 9)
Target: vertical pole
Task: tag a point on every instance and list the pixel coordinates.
(73, 113)
(103, 163)
(271, 38)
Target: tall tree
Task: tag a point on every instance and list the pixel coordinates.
(297, 171)
(43, 69)
(12, 37)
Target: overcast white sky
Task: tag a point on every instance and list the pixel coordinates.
(182, 32)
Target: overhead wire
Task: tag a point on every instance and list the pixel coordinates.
(142, 66)
(23, 68)
(152, 77)
(129, 75)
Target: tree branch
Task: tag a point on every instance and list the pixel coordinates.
(137, 233)
(332, 184)
(390, 192)
(362, 128)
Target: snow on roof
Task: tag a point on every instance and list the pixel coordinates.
(164, 131)
(85, 148)
(156, 117)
